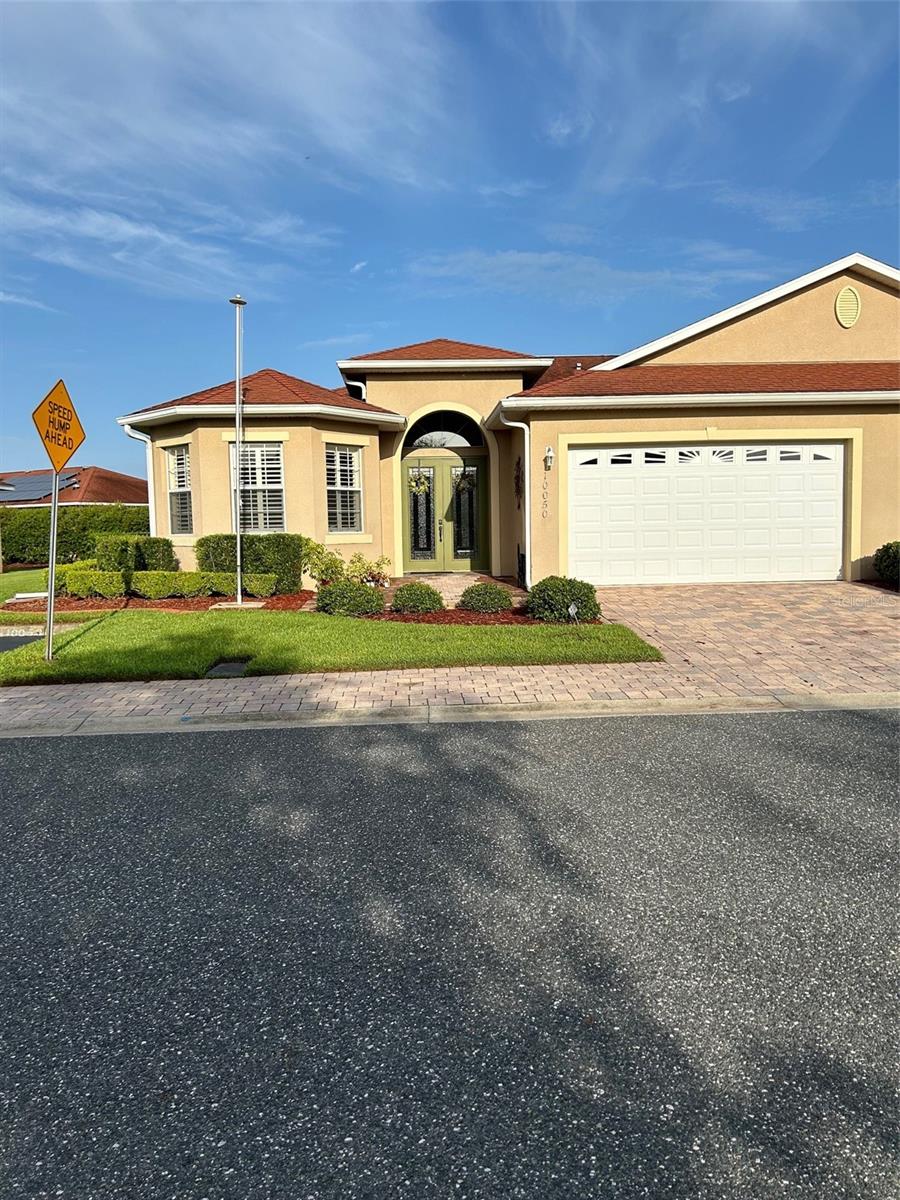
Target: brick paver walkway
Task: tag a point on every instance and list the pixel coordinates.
(731, 642)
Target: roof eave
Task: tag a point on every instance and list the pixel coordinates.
(872, 268)
(688, 400)
(393, 365)
(331, 412)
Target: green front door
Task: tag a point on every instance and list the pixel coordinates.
(446, 518)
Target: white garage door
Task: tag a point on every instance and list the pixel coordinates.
(694, 514)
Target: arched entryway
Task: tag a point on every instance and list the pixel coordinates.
(445, 489)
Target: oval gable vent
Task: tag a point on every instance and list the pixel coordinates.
(847, 306)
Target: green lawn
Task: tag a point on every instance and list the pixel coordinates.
(21, 581)
(160, 645)
(14, 616)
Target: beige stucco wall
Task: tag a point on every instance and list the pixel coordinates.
(303, 450)
(803, 328)
(872, 486)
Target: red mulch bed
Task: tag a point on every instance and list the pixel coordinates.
(175, 604)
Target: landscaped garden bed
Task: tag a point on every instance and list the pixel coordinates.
(290, 603)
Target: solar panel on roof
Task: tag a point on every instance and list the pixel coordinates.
(35, 487)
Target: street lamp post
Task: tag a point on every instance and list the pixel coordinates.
(237, 507)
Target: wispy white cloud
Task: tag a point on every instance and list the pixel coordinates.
(569, 277)
(337, 340)
(568, 233)
(359, 266)
(568, 128)
(790, 211)
(510, 189)
(24, 301)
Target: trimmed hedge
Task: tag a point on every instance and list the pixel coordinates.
(886, 563)
(108, 584)
(349, 599)
(549, 600)
(417, 598)
(62, 573)
(161, 585)
(283, 555)
(134, 552)
(26, 531)
(485, 598)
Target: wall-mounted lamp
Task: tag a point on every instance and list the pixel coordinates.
(548, 458)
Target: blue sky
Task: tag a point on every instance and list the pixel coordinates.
(550, 178)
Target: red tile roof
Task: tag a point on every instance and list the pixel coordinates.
(88, 485)
(441, 348)
(565, 364)
(270, 387)
(725, 379)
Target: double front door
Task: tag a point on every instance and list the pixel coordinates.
(446, 513)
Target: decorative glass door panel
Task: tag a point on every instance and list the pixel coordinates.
(446, 514)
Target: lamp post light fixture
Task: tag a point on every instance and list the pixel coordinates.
(237, 508)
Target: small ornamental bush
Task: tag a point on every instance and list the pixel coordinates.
(365, 570)
(349, 599)
(485, 598)
(156, 554)
(417, 598)
(323, 565)
(886, 562)
(83, 584)
(134, 552)
(550, 599)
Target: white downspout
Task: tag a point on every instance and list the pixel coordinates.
(526, 429)
(151, 491)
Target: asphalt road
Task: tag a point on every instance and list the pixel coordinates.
(634, 957)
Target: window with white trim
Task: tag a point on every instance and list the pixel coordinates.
(343, 479)
(262, 487)
(178, 476)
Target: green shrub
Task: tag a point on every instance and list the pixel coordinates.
(156, 554)
(26, 531)
(259, 585)
(156, 585)
(886, 562)
(62, 573)
(324, 566)
(485, 598)
(350, 599)
(83, 584)
(219, 583)
(417, 598)
(283, 555)
(367, 570)
(134, 552)
(550, 599)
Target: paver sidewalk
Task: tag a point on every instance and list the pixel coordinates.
(731, 643)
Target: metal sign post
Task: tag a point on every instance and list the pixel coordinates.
(238, 302)
(51, 570)
(61, 434)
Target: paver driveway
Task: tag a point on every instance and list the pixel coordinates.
(722, 643)
(625, 959)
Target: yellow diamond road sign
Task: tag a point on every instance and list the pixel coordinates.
(58, 425)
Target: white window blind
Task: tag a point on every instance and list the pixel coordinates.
(343, 479)
(178, 469)
(262, 487)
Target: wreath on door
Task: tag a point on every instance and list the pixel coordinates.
(464, 481)
(419, 483)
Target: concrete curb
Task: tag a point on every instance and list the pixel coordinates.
(92, 725)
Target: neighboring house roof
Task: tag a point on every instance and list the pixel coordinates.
(264, 390)
(861, 264)
(77, 485)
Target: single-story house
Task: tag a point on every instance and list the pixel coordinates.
(760, 443)
(77, 485)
